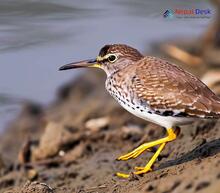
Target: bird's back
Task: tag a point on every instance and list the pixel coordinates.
(165, 89)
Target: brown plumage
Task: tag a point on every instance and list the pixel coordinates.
(155, 90)
(161, 85)
(165, 86)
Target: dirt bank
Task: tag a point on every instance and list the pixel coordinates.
(71, 147)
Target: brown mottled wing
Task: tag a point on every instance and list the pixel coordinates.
(165, 87)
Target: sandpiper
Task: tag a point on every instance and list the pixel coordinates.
(155, 90)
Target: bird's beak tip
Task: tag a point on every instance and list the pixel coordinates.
(61, 68)
(81, 64)
(66, 67)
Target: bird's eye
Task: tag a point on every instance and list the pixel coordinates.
(112, 58)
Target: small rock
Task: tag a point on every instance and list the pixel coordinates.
(32, 174)
(96, 125)
(55, 137)
(36, 187)
(212, 80)
(61, 153)
(25, 152)
(74, 154)
(134, 129)
(132, 132)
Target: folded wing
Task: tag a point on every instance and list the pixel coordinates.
(170, 91)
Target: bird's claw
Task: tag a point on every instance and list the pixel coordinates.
(143, 168)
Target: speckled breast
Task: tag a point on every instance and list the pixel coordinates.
(120, 91)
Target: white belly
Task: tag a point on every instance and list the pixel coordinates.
(164, 121)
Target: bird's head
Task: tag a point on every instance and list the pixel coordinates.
(111, 58)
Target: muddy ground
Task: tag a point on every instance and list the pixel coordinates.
(72, 145)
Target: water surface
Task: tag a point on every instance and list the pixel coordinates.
(37, 37)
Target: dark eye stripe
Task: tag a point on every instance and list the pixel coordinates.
(104, 50)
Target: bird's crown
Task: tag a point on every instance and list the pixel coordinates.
(114, 51)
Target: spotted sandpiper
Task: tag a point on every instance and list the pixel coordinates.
(155, 90)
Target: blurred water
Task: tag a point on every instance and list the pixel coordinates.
(38, 36)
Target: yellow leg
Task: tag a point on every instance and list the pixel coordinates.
(147, 168)
(135, 153)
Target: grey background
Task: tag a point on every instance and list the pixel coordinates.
(38, 36)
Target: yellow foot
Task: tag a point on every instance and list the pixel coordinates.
(147, 168)
(147, 146)
(142, 168)
(122, 175)
(135, 153)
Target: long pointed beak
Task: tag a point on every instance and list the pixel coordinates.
(80, 64)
